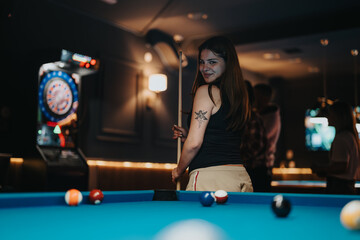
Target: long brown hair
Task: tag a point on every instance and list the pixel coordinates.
(231, 83)
(344, 119)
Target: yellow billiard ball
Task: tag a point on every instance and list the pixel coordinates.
(350, 215)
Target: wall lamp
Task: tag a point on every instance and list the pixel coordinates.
(157, 82)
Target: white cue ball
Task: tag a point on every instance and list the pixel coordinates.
(192, 229)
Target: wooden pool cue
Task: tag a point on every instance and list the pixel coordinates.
(178, 183)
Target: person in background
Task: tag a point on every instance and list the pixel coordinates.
(270, 114)
(343, 168)
(220, 110)
(253, 148)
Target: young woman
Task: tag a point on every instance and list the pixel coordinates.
(219, 113)
(344, 163)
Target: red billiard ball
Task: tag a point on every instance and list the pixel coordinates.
(96, 196)
(221, 196)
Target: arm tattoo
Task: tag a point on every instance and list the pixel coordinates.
(200, 116)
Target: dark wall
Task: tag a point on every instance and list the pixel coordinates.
(118, 125)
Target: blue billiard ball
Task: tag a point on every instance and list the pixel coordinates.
(207, 199)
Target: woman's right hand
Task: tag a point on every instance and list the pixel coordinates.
(179, 132)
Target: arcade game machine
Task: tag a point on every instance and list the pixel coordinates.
(60, 109)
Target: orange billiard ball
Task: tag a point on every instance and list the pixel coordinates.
(96, 196)
(73, 197)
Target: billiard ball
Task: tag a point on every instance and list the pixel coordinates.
(96, 196)
(207, 199)
(191, 229)
(281, 206)
(350, 215)
(73, 197)
(221, 196)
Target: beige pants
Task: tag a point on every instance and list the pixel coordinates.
(230, 178)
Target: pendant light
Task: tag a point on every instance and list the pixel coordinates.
(355, 53)
(324, 102)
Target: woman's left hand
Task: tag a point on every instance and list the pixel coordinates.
(179, 132)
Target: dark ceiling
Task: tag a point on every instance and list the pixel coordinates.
(289, 30)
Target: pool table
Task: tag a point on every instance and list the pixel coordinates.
(140, 215)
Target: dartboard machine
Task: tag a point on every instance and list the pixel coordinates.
(60, 109)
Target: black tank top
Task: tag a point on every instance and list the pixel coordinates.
(220, 146)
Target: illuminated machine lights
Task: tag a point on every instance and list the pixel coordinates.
(81, 58)
(319, 120)
(58, 96)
